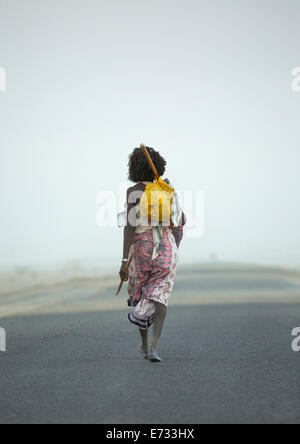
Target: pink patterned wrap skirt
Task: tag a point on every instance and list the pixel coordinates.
(151, 280)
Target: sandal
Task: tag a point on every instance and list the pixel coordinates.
(143, 352)
(153, 356)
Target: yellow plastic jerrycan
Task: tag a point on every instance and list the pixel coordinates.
(156, 203)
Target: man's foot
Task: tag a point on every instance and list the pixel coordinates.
(144, 352)
(153, 356)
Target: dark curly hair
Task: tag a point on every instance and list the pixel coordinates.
(139, 168)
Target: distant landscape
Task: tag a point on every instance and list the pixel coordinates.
(76, 288)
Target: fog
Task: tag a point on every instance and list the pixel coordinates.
(207, 83)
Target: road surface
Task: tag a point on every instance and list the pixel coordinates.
(228, 361)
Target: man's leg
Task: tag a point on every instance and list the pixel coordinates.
(145, 343)
(160, 316)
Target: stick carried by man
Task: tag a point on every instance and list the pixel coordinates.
(126, 270)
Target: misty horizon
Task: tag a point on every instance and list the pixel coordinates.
(209, 85)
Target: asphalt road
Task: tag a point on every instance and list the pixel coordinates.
(230, 363)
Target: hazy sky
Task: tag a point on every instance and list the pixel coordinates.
(208, 83)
